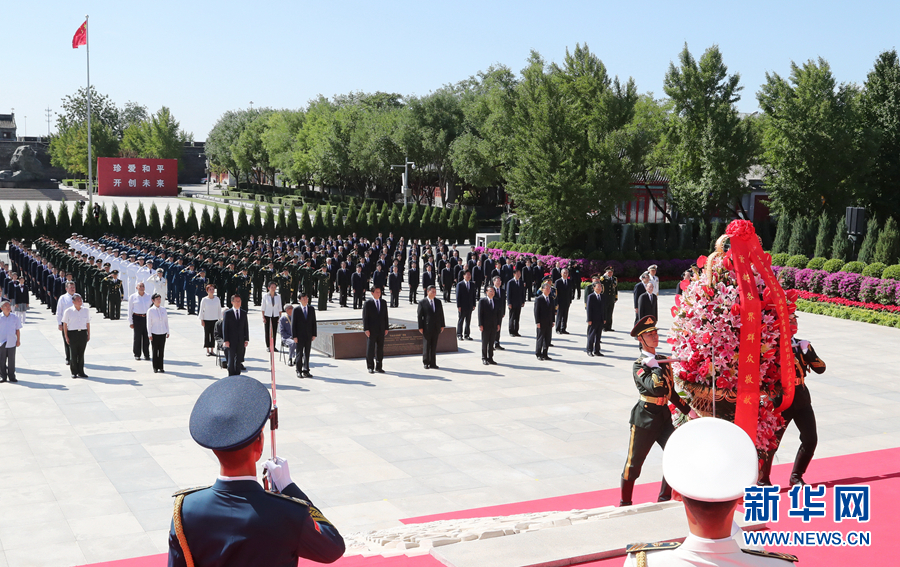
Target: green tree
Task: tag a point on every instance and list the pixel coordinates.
(68, 149)
(384, 218)
(191, 223)
(181, 228)
(881, 119)
(26, 229)
(453, 225)
(14, 228)
(282, 221)
(140, 220)
(52, 228)
(255, 219)
(317, 226)
(242, 229)
(339, 226)
(305, 226)
(222, 139)
(250, 153)
(782, 235)
(840, 247)
(206, 222)
(887, 251)
(159, 137)
(472, 227)
(293, 228)
(77, 220)
(567, 126)
(394, 224)
(824, 236)
(4, 231)
(281, 142)
(711, 147)
(154, 226)
(127, 223)
(103, 112)
(867, 250)
(63, 222)
(687, 236)
(811, 140)
(797, 243)
(168, 224)
(269, 224)
(216, 223)
(228, 226)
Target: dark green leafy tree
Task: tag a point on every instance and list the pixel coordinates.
(228, 226)
(867, 250)
(14, 227)
(51, 227)
(472, 227)
(168, 224)
(384, 218)
(881, 118)
(255, 219)
(222, 139)
(350, 224)
(782, 235)
(317, 222)
(812, 140)
(216, 223)
(711, 148)
(63, 222)
(799, 229)
(77, 220)
(824, 236)
(154, 224)
(887, 251)
(181, 229)
(268, 227)
(4, 231)
(293, 228)
(140, 221)
(687, 236)
(27, 227)
(206, 222)
(242, 229)
(282, 221)
(191, 223)
(840, 247)
(328, 221)
(305, 226)
(339, 226)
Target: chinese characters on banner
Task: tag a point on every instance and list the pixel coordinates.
(137, 177)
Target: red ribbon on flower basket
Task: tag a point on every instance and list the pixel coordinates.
(746, 251)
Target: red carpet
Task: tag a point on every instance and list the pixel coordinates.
(878, 469)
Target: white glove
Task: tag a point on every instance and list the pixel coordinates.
(651, 362)
(279, 473)
(693, 415)
(804, 346)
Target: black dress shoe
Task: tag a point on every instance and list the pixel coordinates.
(155, 371)
(146, 358)
(13, 380)
(600, 354)
(291, 362)
(468, 338)
(459, 337)
(435, 366)
(82, 375)
(491, 361)
(372, 370)
(484, 361)
(300, 375)
(547, 358)
(498, 347)
(136, 358)
(74, 376)
(242, 367)
(427, 367)
(590, 354)
(162, 371)
(379, 370)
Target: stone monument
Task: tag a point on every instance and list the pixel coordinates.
(25, 171)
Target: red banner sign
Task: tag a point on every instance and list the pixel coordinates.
(136, 177)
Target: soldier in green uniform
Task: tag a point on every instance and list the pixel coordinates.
(227, 289)
(611, 291)
(284, 285)
(256, 274)
(651, 420)
(114, 292)
(322, 279)
(241, 283)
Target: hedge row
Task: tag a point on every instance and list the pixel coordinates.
(873, 270)
(847, 285)
(852, 313)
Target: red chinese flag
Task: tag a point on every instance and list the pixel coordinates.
(80, 37)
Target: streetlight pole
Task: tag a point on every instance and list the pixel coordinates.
(405, 187)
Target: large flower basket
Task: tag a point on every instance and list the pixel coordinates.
(731, 337)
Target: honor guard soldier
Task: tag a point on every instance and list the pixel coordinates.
(611, 294)
(708, 463)
(198, 285)
(651, 420)
(241, 283)
(322, 280)
(235, 521)
(800, 410)
(114, 293)
(190, 292)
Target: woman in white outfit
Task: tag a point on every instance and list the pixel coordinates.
(210, 311)
(158, 327)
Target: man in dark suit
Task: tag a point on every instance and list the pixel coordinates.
(639, 289)
(358, 283)
(543, 319)
(379, 278)
(596, 319)
(394, 286)
(447, 281)
(478, 277)
(413, 275)
(488, 324)
(647, 303)
(375, 324)
(235, 521)
(515, 299)
(564, 293)
(428, 276)
(465, 304)
(303, 331)
(343, 283)
(528, 275)
(431, 322)
(236, 335)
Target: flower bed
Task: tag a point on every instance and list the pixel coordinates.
(842, 288)
(847, 302)
(852, 313)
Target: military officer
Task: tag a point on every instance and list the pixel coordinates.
(235, 521)
(800, 411)
(611, 295)
(241, 283)
(189, 292)
(651, 420)
(114, 292)
(708, 462)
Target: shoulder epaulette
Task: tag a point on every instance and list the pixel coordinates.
(774, 554)
(660, 545)
(291, 498)
(190, 490)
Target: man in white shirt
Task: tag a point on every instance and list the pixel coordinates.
(145, 271)
(271, 311)
(138, 305)
(9, 340)
(77, 330)
(64, 302)
(653, 279)
(157, 284)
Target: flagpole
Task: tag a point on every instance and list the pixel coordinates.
(87, 43)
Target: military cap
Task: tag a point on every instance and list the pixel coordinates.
(711, 460)
(596, 277)
(115, 272)
(159, 270)
(645, 275)
(653, 267)
(608, 269)
(230, 413)
(106, 265)
(646, 324)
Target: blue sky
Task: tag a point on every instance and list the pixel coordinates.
(201, 58)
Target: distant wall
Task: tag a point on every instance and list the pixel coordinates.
(8, 148)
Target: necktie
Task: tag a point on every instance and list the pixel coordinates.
(492, 304)
(378, 306)
(432, 305)
(304, 312)
(237, 315)
(467, 286)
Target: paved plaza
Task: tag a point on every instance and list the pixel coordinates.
(90, 465)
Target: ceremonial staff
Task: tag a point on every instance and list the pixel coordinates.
(273, 417)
